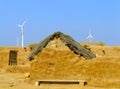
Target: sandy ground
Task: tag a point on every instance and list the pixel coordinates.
(18, 81)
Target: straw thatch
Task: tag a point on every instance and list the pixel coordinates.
(69, 41)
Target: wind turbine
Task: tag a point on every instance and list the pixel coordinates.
(17, 40)
(22, 29)
(90, 37)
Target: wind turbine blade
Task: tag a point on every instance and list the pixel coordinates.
(87, 37)
(19, 25)
(24, 22)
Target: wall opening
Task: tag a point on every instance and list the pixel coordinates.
(13, 58)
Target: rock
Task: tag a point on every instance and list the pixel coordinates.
(25, 75)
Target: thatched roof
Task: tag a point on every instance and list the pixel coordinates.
(69, 41)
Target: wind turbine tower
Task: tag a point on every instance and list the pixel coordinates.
(17, 40)
(22, 30)
(90, 37)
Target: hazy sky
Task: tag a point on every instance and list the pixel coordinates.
(72, 17)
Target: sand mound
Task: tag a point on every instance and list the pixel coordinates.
(53, 64)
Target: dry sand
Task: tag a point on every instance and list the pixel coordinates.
(20, 81)
(106, 68)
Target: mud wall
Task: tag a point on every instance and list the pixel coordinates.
(64, 64)
(22, 54)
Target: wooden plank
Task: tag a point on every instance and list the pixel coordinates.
(61, 80)
(80, 82)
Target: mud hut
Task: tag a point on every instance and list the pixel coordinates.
(13, 59)
(68, 41)
(55, 55)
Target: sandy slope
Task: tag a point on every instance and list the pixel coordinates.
(18, 81)
(102, 70)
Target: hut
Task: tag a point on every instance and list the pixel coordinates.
(56, 54)
(68, 41)
(13, 59)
